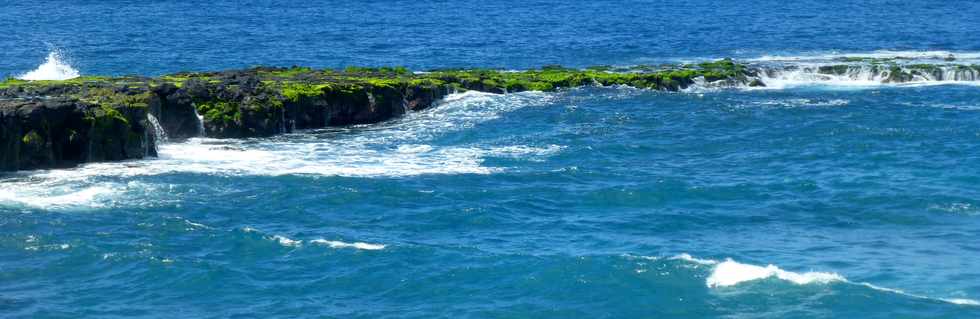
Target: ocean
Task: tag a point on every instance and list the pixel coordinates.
(813, 197)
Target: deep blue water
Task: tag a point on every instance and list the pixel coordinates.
(833, 199)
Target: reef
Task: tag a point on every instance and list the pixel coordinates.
(48, 124)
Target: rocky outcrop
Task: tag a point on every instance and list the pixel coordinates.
(48, 124)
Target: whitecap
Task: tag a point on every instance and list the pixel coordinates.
(730, 273)
(340, 244)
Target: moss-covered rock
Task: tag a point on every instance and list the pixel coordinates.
(105, 118)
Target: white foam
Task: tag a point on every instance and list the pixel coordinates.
(53, 68)
(340, 244)
(730, 273)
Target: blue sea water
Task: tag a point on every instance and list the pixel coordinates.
(809, 199)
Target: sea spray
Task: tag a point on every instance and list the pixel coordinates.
(53, 68)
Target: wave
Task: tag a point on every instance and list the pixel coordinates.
(730, 273)
(53, 68)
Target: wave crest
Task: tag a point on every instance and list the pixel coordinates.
(730, 273)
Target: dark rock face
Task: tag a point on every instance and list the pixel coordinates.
(422, 97)
(61, 132)
(307, 112)
(250, 110)
(64, 132)
(372, 105)
(174, 108)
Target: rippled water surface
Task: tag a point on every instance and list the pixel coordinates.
(826, 199)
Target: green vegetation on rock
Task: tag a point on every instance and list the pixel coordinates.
(32, 139)
(220, 112)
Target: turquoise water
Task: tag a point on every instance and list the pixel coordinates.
(811, 199)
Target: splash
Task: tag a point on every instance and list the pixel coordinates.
(53, 68)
